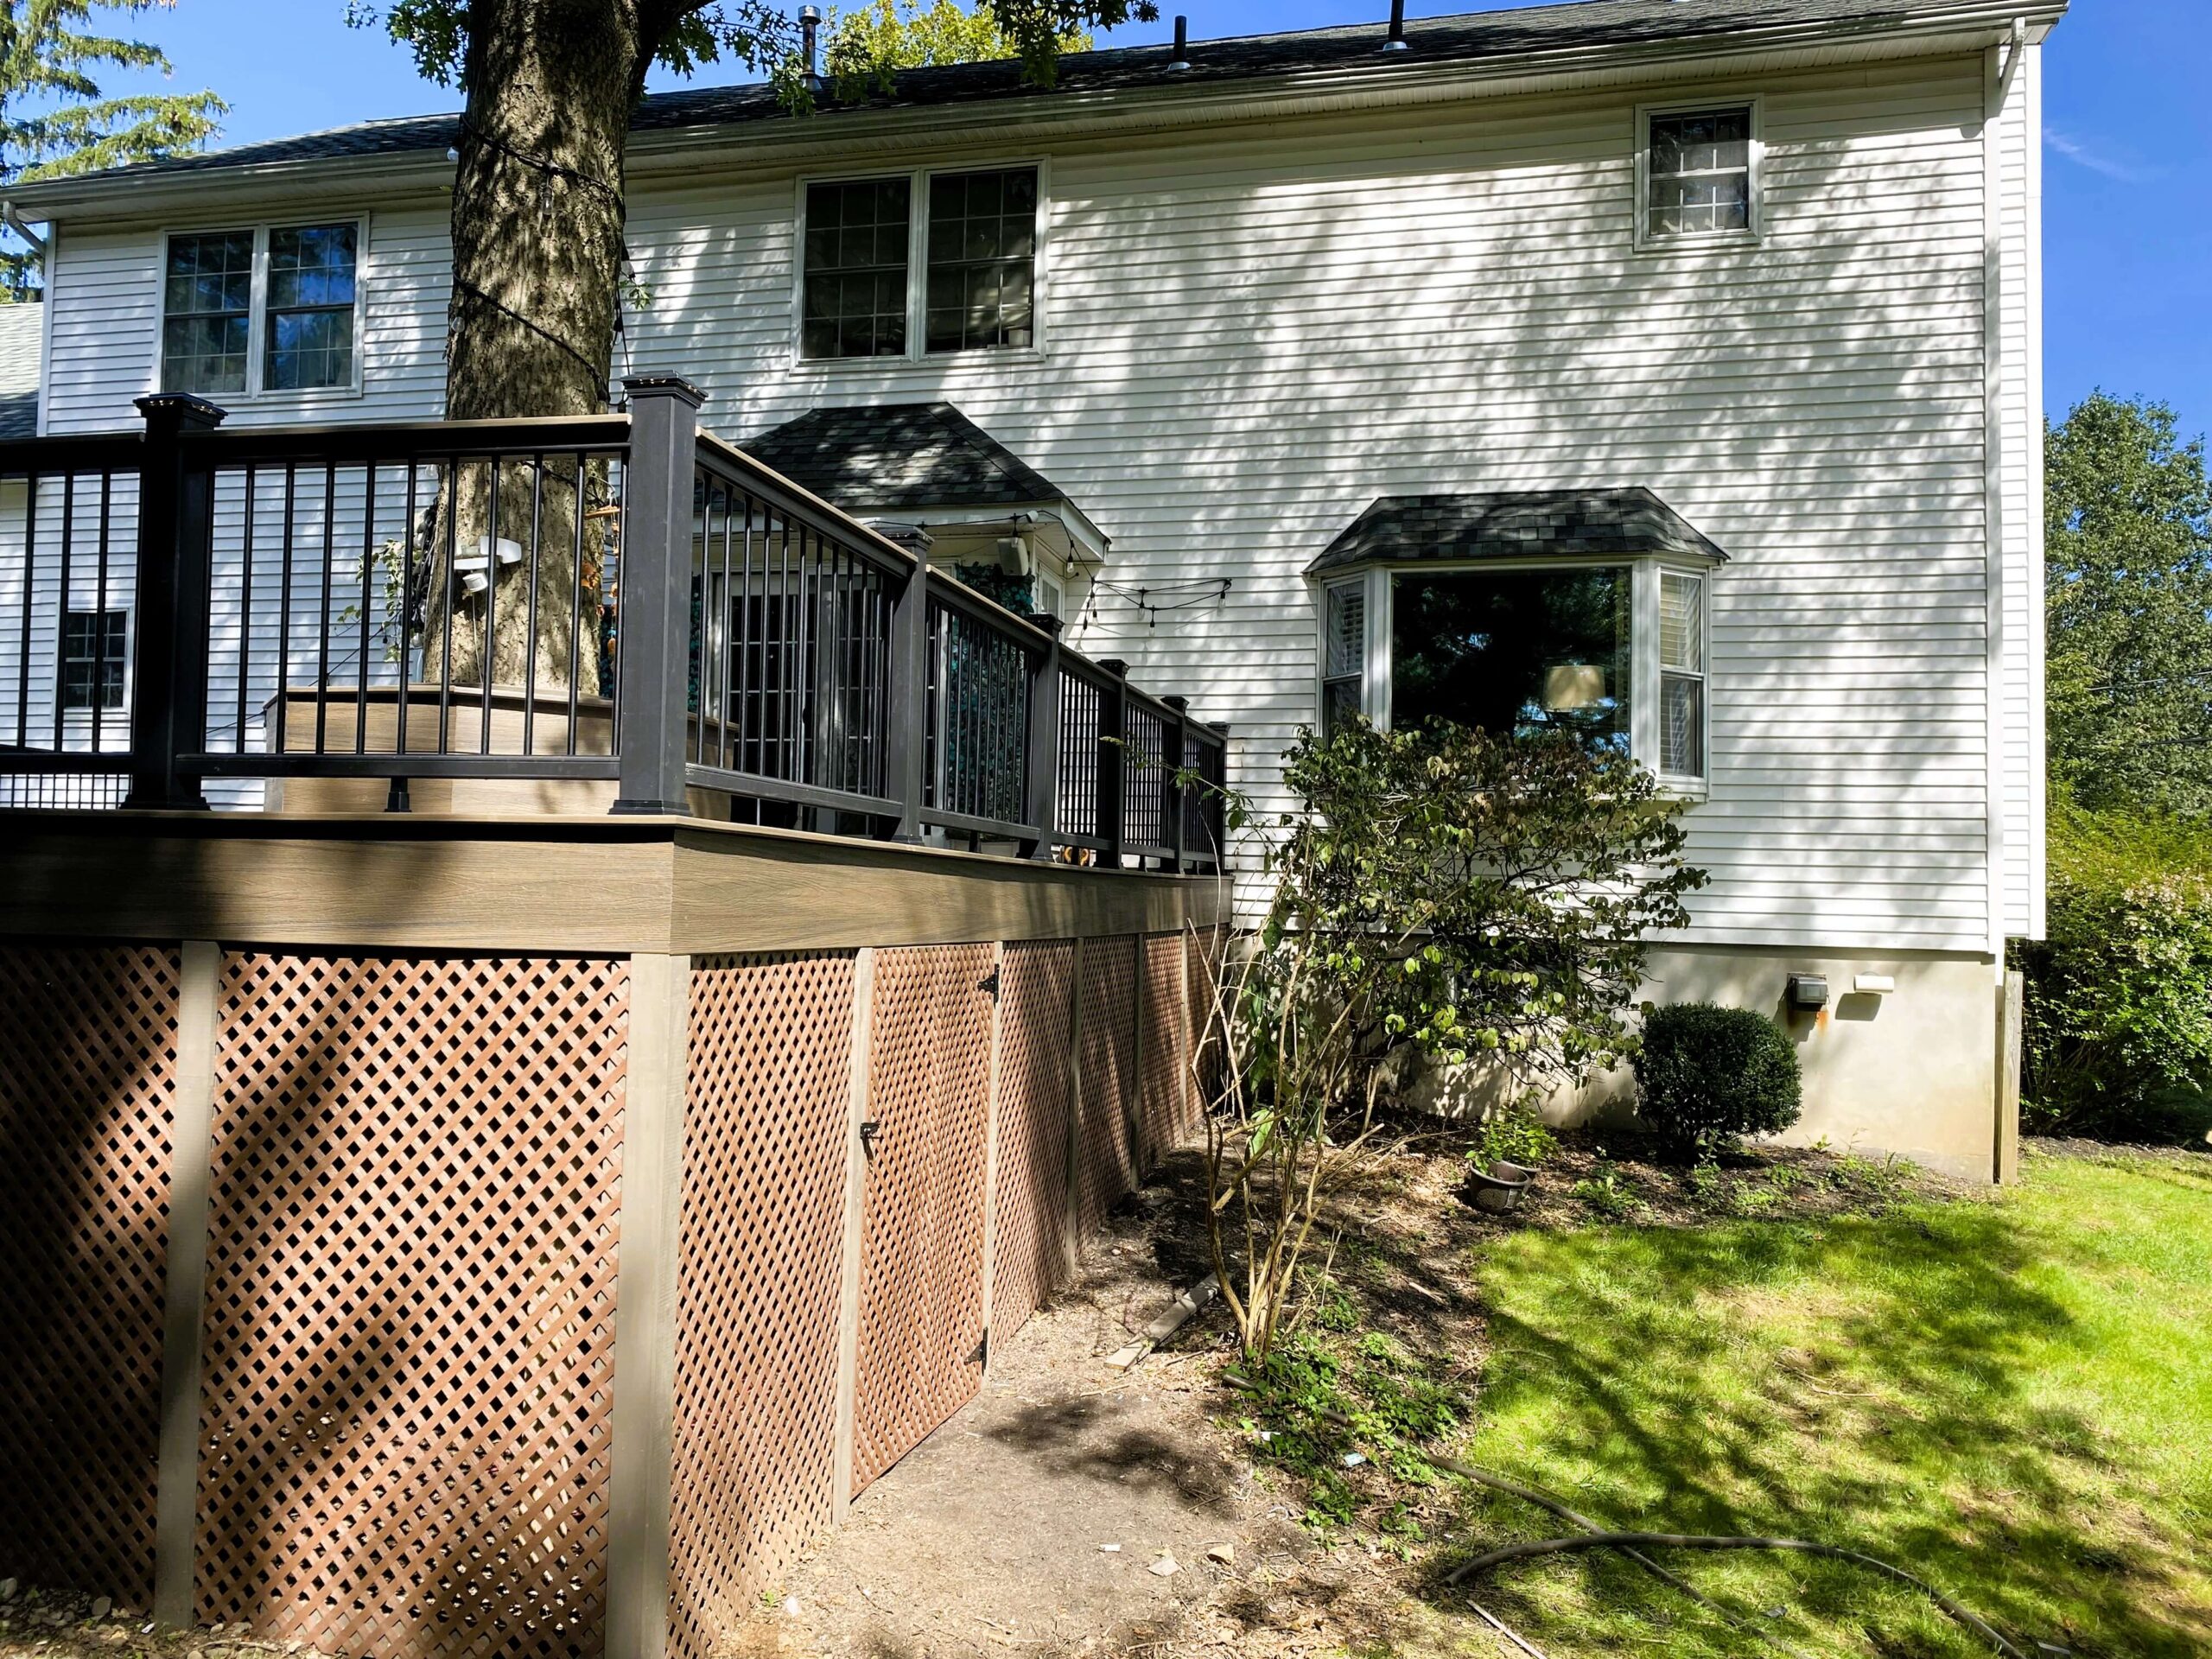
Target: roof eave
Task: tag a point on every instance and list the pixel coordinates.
(1386, 79)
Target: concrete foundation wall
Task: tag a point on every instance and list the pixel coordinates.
(1913, 1072)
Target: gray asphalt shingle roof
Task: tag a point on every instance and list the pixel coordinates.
(1516, 525)
(1466, 38)
(899, 458)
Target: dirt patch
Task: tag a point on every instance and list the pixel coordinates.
(988, 1538)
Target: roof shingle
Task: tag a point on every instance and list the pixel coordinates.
(1466, 38)
(1516, 525)
(899, 458)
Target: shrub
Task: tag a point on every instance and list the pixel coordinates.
(1706, 1076)
(2117, 1035)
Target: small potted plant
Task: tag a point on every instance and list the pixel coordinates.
(1501, 1164)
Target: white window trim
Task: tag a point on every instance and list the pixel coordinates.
(256, 367)
(918, 235)
(1645, 666)
(1649, 241)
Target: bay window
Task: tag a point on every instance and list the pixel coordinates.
(1585, 614)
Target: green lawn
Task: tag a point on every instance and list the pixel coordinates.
(2012, 1398)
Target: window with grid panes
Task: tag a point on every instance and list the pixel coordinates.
(1343, 654)
(855, 302)
(207, 313)
(982, 249)
(310, 326)
(93, 647)
(1681, 675)
(1699, 173)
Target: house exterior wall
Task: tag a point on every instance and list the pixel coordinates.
(1252, 331)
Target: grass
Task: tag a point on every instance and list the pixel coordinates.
(2013, 1397)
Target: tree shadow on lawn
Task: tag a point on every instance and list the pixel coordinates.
(1869, 1382)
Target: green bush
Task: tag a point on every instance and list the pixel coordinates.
(1706, 1076)
(2117, 1037)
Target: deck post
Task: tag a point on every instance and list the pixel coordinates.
(1177, 744)
(642, 1468)
(1113, 749)
(653, 677)
(848, 1281)
(1043, 811)
(169, 702)
(910, 693)
(176, 1500)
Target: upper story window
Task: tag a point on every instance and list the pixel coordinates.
(1699, 174)
(275, 310)
(95, 650)
(1525, 612)
(971, 234)
(982, 255)
(857, 236)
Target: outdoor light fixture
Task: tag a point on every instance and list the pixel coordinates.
(1809, 993)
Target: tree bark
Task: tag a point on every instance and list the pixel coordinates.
(538, 249)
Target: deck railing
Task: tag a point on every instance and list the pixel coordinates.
(191, 615)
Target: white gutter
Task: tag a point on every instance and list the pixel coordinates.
(1390, 79)
(15, 222)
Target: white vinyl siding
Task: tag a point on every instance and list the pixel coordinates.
(1257, 330)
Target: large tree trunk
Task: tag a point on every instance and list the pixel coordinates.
(537, 223)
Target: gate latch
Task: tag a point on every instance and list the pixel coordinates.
(991, 985)
(869, 1129)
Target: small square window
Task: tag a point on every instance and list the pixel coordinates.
(854, 298)
(94, 647)
(1699, 178)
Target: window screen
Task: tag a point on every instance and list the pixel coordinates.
(982, 248)
(311, 273)
(1343, 658)
(206, 313)
(1681, 676)
(855, 302)
(93, 644)
(1515, 651)
(1700, 172)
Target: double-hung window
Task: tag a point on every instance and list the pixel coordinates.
(1697, 173)
(1344, 653)
(920, 264)
(273, 309)
(95, 651)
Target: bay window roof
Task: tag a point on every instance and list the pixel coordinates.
(1516, 525)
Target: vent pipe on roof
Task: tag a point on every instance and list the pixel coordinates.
(1182, 58)
(809, 22)
(1397, 40)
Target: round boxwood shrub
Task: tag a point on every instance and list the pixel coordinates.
(1706, 1076)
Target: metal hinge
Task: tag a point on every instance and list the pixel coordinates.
(991, 985)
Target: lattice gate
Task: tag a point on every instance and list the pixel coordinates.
(410, 1297)
(88, 1058)
(1106, 1163)
(1029, 1206)
(767, 1120)
(1164, 1115)
(922, 1264)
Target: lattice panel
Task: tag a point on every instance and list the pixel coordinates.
(922, 1260)
(410, 1304)
(1106, 1154)
(1030, 1207)
(1163, 1057)
(87, 1083)
(1204, 949)
(767, 1130)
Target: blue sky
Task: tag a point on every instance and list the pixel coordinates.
(2127, 140)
